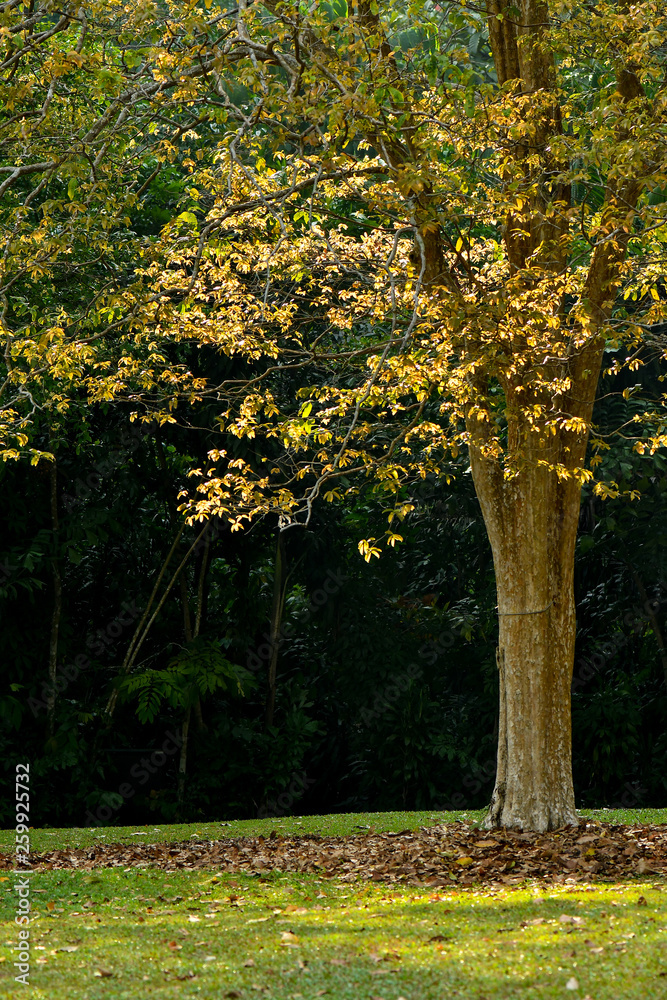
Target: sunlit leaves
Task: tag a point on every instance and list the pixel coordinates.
(350, 198)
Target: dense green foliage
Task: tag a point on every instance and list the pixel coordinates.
(386, 682)
(123, 631)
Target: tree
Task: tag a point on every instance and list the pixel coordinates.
(532, 199)
(441, 240)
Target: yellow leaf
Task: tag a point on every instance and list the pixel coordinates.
(459, 244)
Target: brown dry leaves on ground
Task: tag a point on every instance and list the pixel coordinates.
(438, 856)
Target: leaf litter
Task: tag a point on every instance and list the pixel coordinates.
(443, 855)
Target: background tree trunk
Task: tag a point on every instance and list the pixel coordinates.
(276, 617)
(183, 762)
(57, 599)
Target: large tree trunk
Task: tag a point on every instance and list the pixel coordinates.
(530, 499)
(532, 521)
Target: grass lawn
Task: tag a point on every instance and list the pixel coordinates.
(140, 932)
(144, 933)
(335, 825)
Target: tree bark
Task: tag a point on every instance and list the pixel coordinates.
(142, 628)
(276, 618)
(183, 762)
(531, 522)
(185, 604)
(531, 504)
(201, 601)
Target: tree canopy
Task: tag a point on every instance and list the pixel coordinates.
(357, 241)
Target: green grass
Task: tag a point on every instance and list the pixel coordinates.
(113, 934)
(338, 824)
(335, 825)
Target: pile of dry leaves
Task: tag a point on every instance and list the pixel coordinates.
(438, 856)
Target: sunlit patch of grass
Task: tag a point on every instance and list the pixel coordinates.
(139, 932)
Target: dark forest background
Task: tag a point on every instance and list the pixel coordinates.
(385, 678)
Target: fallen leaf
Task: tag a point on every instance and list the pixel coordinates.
(103, 973)
(406, 857)
(572, 984)
(249, 962)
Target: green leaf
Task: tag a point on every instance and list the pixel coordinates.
(189, 217)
